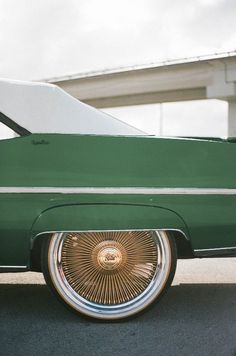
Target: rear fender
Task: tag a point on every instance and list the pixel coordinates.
(98, 217)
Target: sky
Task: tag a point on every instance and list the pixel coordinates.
(51, 38)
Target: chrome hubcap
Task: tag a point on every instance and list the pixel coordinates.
(109, 255)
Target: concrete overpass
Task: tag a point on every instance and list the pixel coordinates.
(170, 81)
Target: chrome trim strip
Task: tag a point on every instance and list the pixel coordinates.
(23, 267)
(56, 232)
(215, 249)
(124, 230)
(120, 190)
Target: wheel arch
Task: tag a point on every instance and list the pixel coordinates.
(109, 217)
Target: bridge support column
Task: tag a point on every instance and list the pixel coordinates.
(223, 86)
(232, 118)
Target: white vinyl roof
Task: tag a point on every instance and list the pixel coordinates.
(45, 108)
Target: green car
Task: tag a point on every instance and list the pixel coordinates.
(102, 209)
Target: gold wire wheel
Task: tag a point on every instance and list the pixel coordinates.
(109, 268)
(109, 274)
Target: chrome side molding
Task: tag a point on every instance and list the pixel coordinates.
(216, 252)
(5, 269)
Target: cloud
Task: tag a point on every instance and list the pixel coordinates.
(48, 38)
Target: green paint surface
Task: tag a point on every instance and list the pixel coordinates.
(49, 160)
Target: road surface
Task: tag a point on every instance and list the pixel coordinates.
(196, 317)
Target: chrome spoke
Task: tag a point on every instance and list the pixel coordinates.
(109, 275)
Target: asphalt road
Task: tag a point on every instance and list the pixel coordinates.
(196, 317)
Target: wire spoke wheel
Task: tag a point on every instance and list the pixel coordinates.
(110, 274)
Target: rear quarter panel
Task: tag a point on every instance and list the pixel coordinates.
(96, 161)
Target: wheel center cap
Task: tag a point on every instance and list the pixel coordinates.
(109, 257)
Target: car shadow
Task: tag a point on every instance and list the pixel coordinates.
(199, 313)
(36, 299)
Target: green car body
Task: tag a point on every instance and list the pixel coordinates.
(56, 182)
(103, 210)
